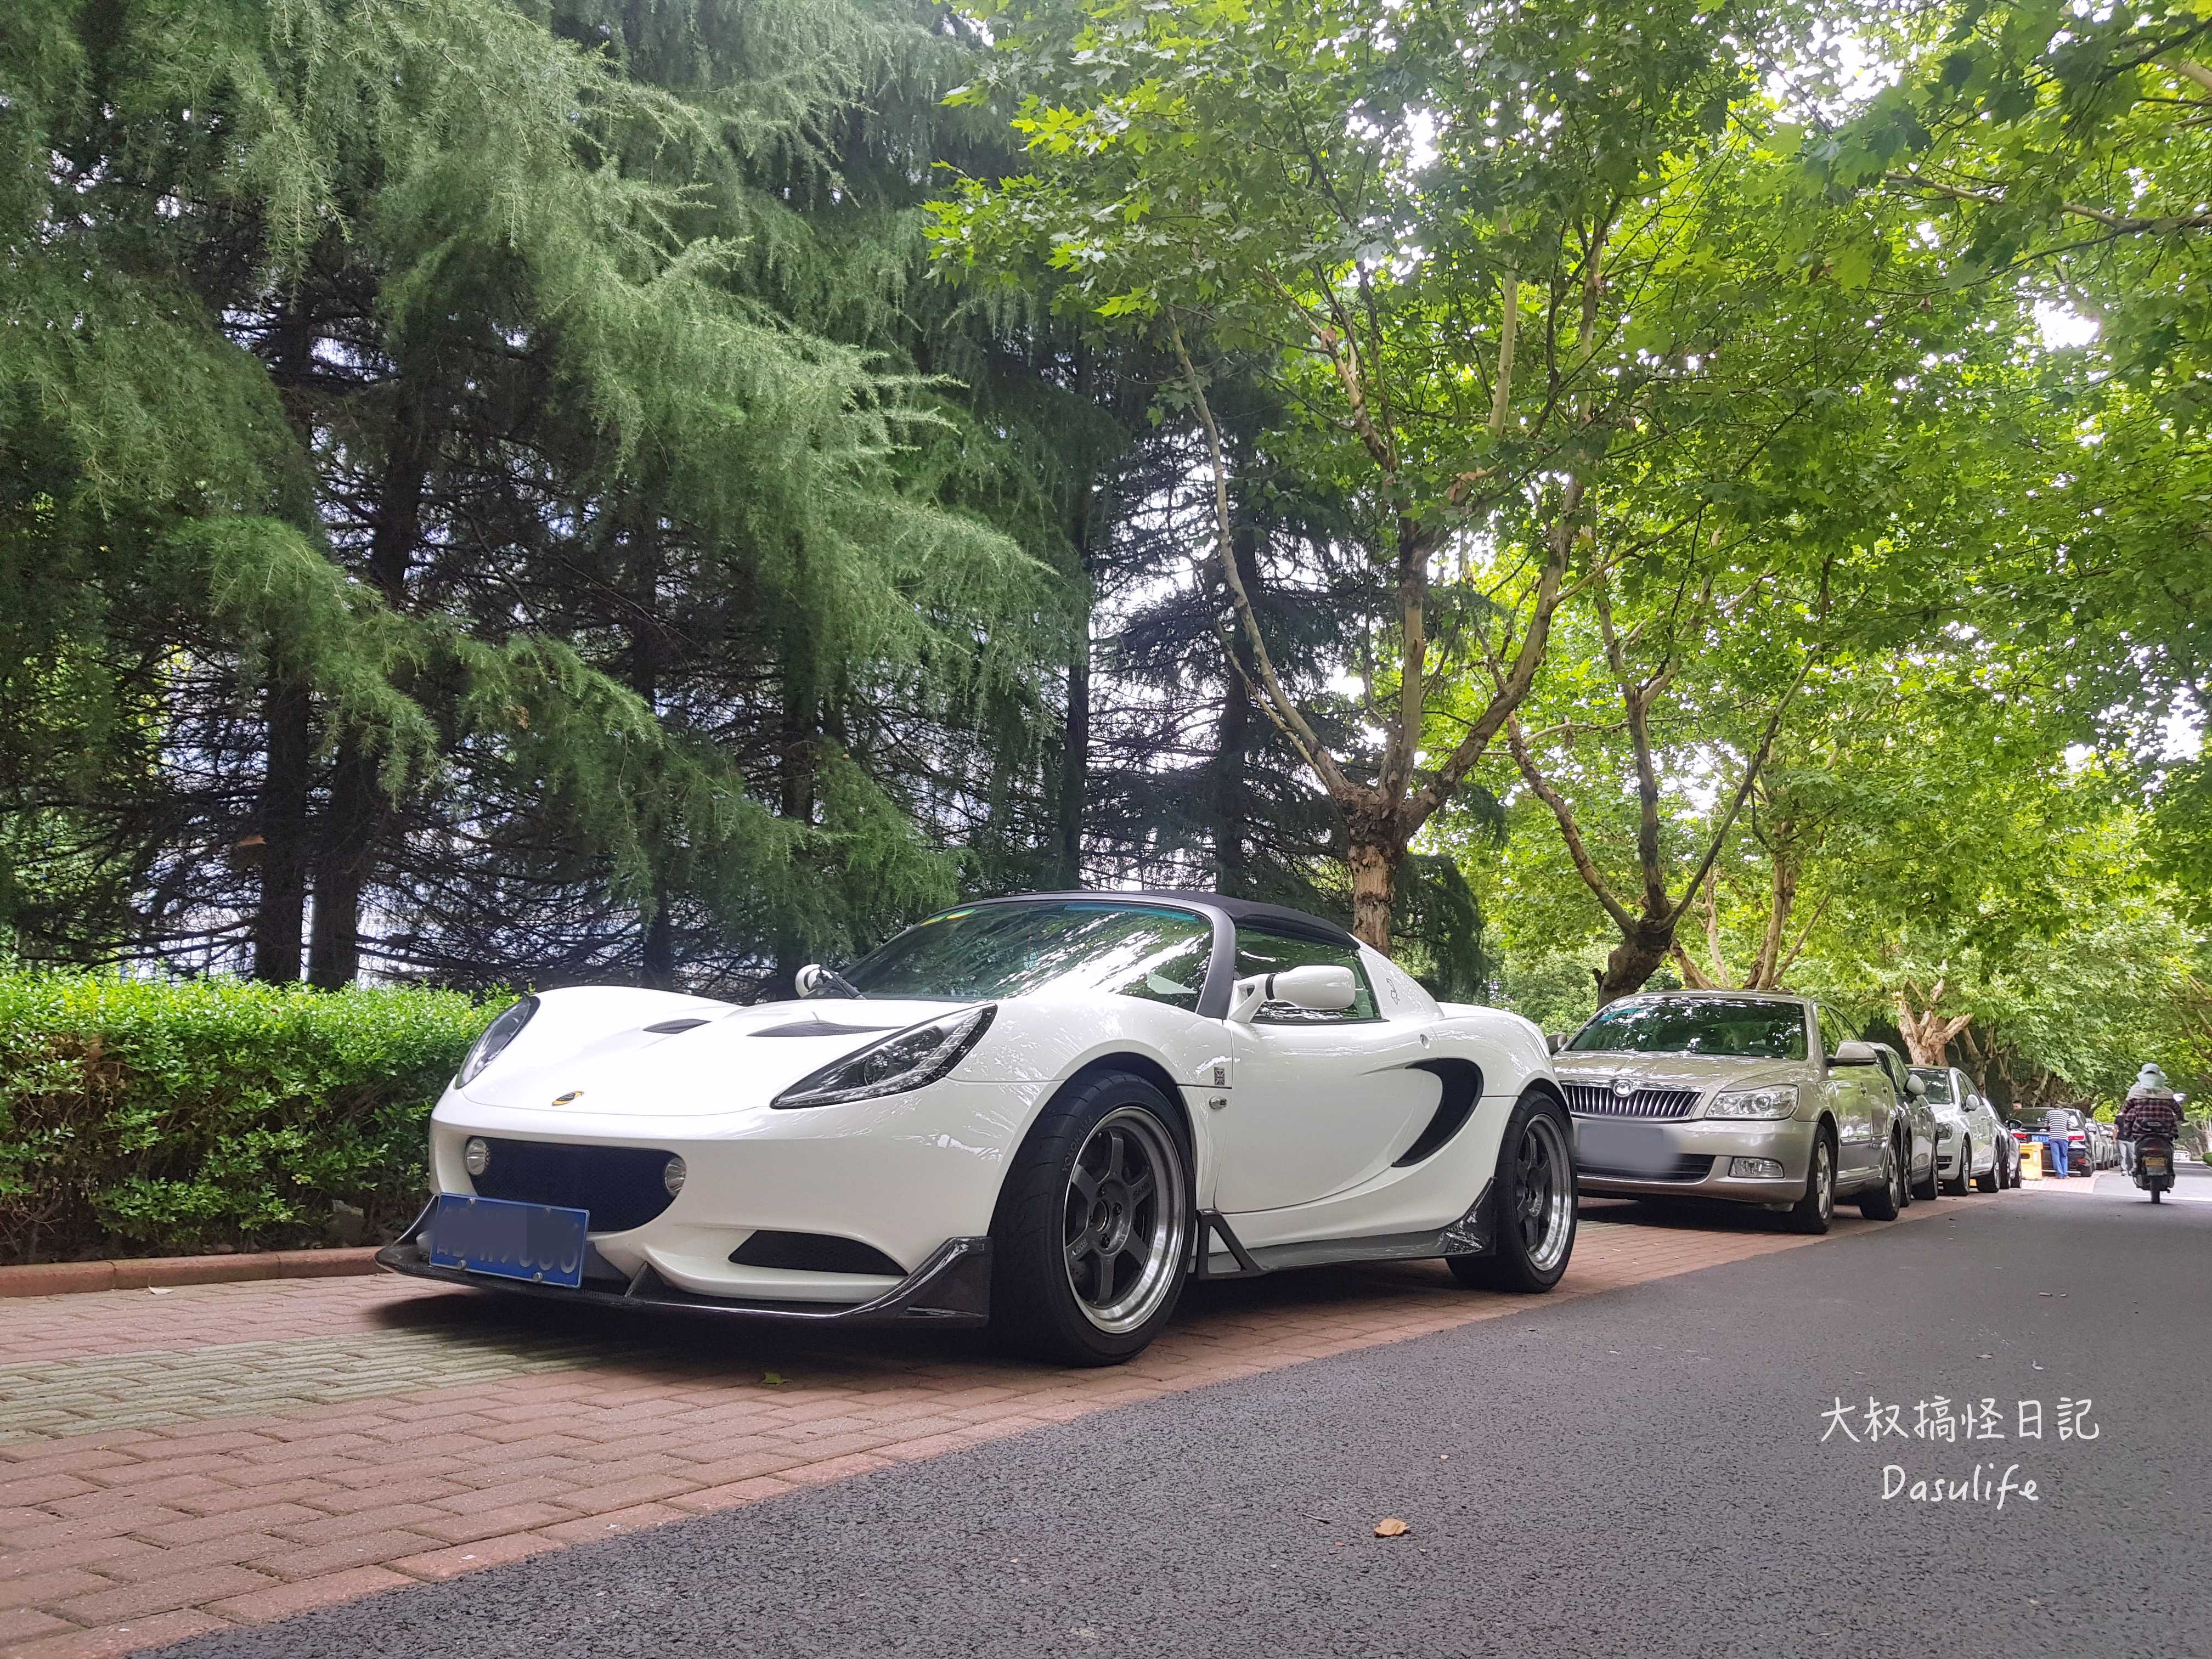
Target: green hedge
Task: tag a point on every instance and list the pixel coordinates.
(143, 1119)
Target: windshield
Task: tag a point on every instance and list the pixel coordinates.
(1705, 1025)
(1938, 1081)
(990, 950)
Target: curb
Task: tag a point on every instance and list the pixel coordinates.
(148, 1273)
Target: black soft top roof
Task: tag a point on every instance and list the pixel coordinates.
(1296, 923)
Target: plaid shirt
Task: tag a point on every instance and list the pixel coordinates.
(2148, 1115)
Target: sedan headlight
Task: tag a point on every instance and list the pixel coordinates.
(496, 1036)
(906, 1060)
(1780, 1100)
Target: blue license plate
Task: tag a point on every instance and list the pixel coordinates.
(537, 1242)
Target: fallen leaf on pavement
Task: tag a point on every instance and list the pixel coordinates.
(1391, 1529)
(774, 1379)
(156, 1289)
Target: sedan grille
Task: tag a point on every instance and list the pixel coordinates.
(1598, 1100)
(623, 1186)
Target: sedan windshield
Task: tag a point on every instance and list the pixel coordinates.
(990, 950)
(1701, 1025)
(1938, 1081)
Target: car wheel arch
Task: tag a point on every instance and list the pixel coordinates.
(1136, 1065)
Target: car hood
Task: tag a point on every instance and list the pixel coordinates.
(1706, 1073)
(735, 1059)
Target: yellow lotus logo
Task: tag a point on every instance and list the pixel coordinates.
(573, 1094)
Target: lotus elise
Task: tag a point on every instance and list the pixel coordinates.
(1043, 1112)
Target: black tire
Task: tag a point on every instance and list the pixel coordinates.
(1534, 1203)
(1958, 1189)
(1035, 1309)
(1994, 1181)
(1816, 1211)
(1882, 1202)
(1933, 1186)
(2154, 1194)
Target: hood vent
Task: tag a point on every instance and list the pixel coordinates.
(818, 1028)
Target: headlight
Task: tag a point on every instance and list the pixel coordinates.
(1778, 1102)
(476, 1155)
(496, 1036)
(906, 1060)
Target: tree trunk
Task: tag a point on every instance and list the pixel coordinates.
(1634, 960)
(1229, 808)
(343, 859)
(1075, 752)
(1373, 883)
(279, 922)
(360, 812)
(658, 970)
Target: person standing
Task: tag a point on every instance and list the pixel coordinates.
(2057, 1127)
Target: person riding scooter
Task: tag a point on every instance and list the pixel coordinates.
(2150, 1124)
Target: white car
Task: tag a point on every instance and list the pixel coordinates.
(1971, 1145)
(1043, 1112)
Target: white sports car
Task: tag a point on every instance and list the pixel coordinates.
(1044, 1112)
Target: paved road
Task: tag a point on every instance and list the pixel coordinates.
(1640, 1473)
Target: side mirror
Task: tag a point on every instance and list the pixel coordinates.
(1318, 989)
(1919, 1087)
(808, 980)
(1853, 1054)
(1554, 1040)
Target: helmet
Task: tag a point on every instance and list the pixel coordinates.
(2150, 1081)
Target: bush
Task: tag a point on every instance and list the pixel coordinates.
(142, 1119)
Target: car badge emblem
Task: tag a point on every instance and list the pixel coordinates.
(1623, 1087)
(573, 1094)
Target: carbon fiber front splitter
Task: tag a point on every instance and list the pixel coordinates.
(950, 1291)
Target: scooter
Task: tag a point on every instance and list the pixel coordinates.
(2155, 1166)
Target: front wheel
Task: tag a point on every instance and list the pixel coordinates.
(1533, 1204)
(1957, 1187)
(1812, 1212)
(1092, 1233)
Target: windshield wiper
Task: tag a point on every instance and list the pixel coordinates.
(836, 981)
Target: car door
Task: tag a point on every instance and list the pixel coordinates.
(1861, 1097)
(1322, 1102)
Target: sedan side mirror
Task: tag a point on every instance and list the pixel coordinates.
(1316, 987)
(1853, 1054)
(1554, 1040)
(1919, 1087)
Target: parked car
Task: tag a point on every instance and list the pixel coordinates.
(1751, 1096)
(1975, 1147)
(1924, 1175)
(2008, 1142)
(2027, 1126)
(1043, 1112)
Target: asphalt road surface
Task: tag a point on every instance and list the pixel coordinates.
(1641, 1472)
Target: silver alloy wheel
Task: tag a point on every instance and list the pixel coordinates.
(1541, 1210)
(1125, 1219)
(1824, 1175)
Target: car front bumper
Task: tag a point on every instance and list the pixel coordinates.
(1698, 1158)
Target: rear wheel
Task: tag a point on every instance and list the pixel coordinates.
(1934, 1183)
(1883, 1203)
(1814, 1211)
(1994, 1178)
(1092, 1233)
(1533, 1204)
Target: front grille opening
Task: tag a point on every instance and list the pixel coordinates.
(814, 1253)
(623, 1186)
(1598, 1100)
(1688, 1167)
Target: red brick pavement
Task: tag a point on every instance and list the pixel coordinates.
(116, 1538)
